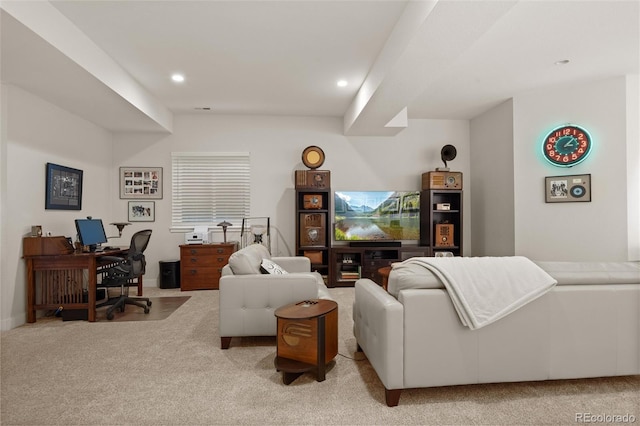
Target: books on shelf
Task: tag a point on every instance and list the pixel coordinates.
(349, 275)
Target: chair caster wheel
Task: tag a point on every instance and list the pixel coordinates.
(146, 310)
(149, 303)
(110, 316)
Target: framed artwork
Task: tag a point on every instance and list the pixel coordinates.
(141, 182)
(141, 211)
(567, 189)
(63, 188)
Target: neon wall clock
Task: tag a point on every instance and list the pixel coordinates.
(567, 145)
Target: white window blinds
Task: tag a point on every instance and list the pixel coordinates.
(208, 188)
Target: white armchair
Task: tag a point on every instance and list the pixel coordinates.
(248, 298)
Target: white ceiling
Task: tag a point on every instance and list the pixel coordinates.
(439, 59)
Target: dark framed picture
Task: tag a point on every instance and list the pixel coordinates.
(63, 188)
(141, 182)
(567, 189)
(141, 211)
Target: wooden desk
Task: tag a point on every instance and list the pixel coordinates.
(61, 281)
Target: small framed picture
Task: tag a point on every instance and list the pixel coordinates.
(567, 189)
(63, 188)
(142, 211)
(141, 182)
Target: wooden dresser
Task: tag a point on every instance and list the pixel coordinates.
(201, 264)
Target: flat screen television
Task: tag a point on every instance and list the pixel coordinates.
(376, 215)
(91, 232)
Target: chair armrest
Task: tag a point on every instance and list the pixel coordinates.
(293, 263)
(378, 326)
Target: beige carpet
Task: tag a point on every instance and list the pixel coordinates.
(172, 372)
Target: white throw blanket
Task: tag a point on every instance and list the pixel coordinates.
(485, 289)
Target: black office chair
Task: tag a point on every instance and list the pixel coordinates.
(125, 270)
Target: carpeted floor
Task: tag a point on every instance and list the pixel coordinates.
(173, 372)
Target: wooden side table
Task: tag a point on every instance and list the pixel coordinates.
(384, 273)
(307, 338)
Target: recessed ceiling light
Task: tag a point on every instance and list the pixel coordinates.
(562, 62)
(342, 83)
(178, 78)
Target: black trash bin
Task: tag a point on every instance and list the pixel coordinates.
(169, 274)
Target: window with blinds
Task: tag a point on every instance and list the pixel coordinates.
(208, 188)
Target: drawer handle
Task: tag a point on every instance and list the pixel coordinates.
(221, 259)
(194, 271)
(194, 251)
(194, 259)
(220, 251)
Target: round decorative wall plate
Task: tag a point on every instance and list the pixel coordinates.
(566, 145)
(313, 157)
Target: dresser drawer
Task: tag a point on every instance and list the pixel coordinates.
(200, 278)
(202, 260)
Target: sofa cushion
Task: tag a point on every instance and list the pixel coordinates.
(270, 267)
(583, 273)
(247, 260)
(413, 276)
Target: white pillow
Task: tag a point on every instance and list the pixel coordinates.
(247, 260)
(269, 267)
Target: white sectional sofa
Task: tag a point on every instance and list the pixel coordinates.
(248, 298)
(588, 325)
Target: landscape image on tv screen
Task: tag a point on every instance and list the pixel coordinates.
(376, 215)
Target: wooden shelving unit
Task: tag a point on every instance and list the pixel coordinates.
(432, 214)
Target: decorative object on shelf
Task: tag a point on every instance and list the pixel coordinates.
(63, 188)
(447, 153)
(313, 229)
(36, 231)
(224, 226)
(566, 189)
(312, 201)
(444, 235)
(315, 256)
(256, 230)
(443, 254)
(120, 226)
(313, 157)
(141, 182)
(566, 145)
(142, 211)
(442, 180)
(312, 179)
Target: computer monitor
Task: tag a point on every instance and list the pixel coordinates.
(91, 232)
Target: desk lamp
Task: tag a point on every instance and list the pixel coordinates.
(120, 226)
(224, 225)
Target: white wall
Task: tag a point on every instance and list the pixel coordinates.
(492, 192)
(36, 132)
(276, 145)
(633, 166)
(573, 231)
